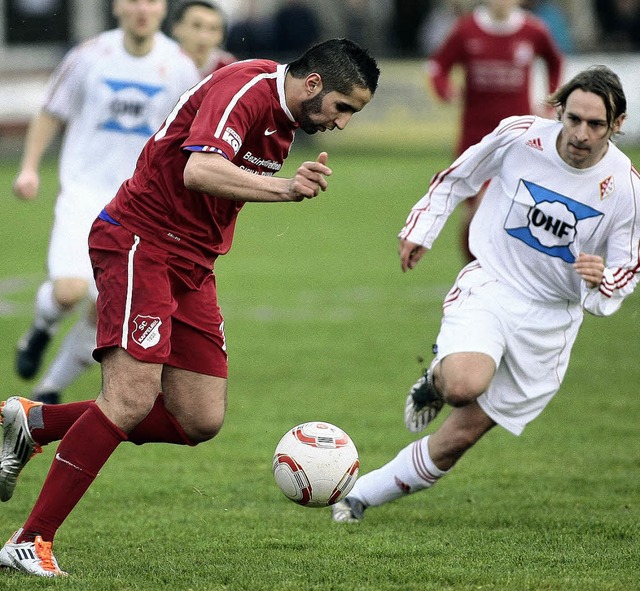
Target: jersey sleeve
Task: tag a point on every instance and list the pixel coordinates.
(221, 126)
(462, 180)
(622, 260)
(65, 90)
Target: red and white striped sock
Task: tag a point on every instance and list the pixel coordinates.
(410, 471)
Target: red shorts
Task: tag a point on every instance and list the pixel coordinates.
(159, 307)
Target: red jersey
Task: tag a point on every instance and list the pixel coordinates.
(238, 112)
(497, 59)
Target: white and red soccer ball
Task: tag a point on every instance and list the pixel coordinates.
(315, 464)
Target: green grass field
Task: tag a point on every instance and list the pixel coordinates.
(321, 324)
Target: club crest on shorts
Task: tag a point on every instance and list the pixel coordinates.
(147, 331)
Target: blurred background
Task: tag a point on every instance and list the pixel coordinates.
(35, 34)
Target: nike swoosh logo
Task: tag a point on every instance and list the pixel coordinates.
(269, 131)
(61, 459)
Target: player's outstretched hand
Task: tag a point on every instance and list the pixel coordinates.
(310, 178)
(410, 253)
(26, 185)
(591, 268)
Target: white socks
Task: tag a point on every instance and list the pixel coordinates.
(73, 358)
(48, 312)
(410, 471)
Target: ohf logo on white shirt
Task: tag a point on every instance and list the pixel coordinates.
(553, 224)
(129, 108)
(548, 221)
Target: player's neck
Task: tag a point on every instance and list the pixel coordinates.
(500, 16)
(138, 46)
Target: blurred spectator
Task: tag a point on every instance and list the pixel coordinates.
(438, 24)
(554, 16)
(295, 28)
(496, 46)
(619, 22)
(37, 21)
(199, 26)
(251, 34)
(408, 15)
(356, 19)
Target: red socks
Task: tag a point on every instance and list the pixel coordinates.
(88, 440)
(81, 454)
(159, 426)
(57, 420)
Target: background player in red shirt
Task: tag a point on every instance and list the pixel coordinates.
(153, 249)
(496, 45)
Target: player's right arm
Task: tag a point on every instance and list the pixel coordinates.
(213, 174)
(440, 64)
(42, 129)
(462, 180)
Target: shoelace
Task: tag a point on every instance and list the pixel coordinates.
(45, 554)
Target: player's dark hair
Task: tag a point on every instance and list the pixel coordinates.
(182, 7)
(341, 63)
(599, 80)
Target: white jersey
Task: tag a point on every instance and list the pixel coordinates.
(112, 102)
(538, 214)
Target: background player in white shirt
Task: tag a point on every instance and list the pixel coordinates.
(557, 233)
(110, 94)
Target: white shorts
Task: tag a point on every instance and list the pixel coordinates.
(529, 341)
(68, 247)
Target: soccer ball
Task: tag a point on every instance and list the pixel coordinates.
(315, 464)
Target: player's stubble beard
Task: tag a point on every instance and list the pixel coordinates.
(311, 106)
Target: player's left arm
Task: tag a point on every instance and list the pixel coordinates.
(608, 281)
(591, 268)
(410, 254)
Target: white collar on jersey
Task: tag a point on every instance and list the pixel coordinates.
(281, 72)
(488, 25)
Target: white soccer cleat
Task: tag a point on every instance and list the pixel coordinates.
(33, 558)
(348, 510)
(18, 447)
(423, 404)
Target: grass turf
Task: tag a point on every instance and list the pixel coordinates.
(321, 324)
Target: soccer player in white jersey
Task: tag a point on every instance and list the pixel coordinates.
(557, 233)
(110, 94)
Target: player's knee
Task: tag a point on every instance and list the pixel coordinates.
(461, 390)
(204, 430)
(68, 292)
(205, 425)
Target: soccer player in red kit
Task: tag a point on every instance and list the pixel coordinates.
(496, 45)
(160, 331)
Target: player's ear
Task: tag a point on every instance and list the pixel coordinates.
(617, 123)
(313, 84)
